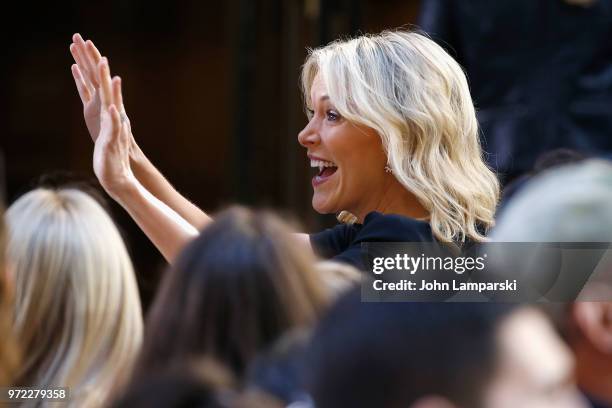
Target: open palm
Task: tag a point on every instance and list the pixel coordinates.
(91, 113)
(87, 79)
(111, 158)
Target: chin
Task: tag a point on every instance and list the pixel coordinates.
(320, 206)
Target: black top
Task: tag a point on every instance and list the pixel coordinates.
(342, 243)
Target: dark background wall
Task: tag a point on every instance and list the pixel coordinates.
(211, 89)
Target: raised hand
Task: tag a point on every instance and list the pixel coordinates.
(111, 159)
(86, 78)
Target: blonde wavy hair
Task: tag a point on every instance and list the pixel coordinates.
(77, 310)
(408, 89)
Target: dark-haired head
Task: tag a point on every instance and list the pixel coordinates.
(199, 383)
(172, 388)
(233, 291)
(433, 355)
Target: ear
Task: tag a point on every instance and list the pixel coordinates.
(594, 321)
(433, 401)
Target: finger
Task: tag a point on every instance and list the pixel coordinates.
(77, 58)
(125, 137)
(117, 96)
(93, 52)
(76, 37)
(106, 95)
(84, 66)
(87, 63)
(81, 85)
(116, 121)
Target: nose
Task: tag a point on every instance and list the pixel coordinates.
(309, 136)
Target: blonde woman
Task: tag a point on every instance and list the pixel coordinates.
(77, 309)
(391, 129)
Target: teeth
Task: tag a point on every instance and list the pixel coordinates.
(321, 164)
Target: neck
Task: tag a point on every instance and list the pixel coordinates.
(392, 198)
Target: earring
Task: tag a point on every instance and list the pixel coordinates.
(388, 169)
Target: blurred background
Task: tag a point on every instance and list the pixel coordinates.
(212, 90)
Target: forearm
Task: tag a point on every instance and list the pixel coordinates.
(168, 231)
(152, 180)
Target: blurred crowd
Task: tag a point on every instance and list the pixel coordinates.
(245, 319)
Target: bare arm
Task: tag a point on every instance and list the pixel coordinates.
(168, 231)
(304, 241)
(160, 187)
(111, 161)
(167, 218)
(86, 76)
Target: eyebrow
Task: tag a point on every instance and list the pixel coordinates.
(321, 99)
(324, 97)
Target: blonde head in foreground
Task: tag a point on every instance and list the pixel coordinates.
(77, 310)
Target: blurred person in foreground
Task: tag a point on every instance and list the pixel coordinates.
(278, 370)
(9, 349)
(391, 132)
(546, 161)
(573, 204)
(77, 309)
(540, 73)
(236, 289)
(439, 355)
(200, 383)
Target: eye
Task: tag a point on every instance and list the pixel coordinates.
(332, 115)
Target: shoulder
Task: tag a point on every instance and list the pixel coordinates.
(379, 227)
(332, 241)
(343, 242)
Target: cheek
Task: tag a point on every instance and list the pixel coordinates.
(359, 154)
(349, 137)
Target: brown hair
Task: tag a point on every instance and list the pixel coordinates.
(201, 382)
(233, 291)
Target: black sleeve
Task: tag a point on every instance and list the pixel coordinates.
(383, 228)
(331, 242)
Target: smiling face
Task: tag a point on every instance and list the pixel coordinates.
(348, 157)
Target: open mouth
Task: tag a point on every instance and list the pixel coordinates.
(326, 169)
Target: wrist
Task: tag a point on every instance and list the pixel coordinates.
(122, 190)
(137, 157)
(139, 162)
